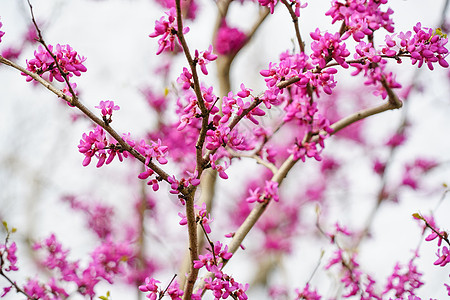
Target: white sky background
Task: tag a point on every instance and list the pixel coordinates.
(39, 158)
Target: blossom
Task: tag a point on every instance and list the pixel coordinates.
(269, 3)
(185, 79)
(99, 216)
(361, 18)
(307, 294)
(167, 28)
(151, 285)
(328, 46)
(217, 138)
(222, 285)
(11, 257)
(203, 216)
(69, 61)
(404, 280)
(203, 58)
(423, 46)
(229, 39)
(269, 192)
(154, 150)
(93, 143)
(2, 33)
(443, 257)
(174, 291)
(156, 102)
(107, 108)
(219, 168)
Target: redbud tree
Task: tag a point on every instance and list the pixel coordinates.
(224, 150)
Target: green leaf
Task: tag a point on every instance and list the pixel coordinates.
(417, 216)
(5, 224)
(107, 297)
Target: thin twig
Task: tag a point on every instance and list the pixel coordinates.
(295, 21)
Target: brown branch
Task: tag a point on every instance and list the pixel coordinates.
(16, 287)
(193, 247)
(295, 21)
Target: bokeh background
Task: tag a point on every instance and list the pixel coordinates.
(40, 162)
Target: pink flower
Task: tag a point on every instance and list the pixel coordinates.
(404, 280)
(2, 33)
(327, 47)
(204, 58)
(270, 3)
(174, 291)
(11, 53)
(151, 285)
(156, 102)
(307, 294)
(107, 108)
(443, 258)
(183, 219)
(167, 28)
(10, 256)
(92, 144)
(220, 169)
(361, 17)
(185, 79)
(229, 39)
(204, 217)
(424, 46)
(70, 62)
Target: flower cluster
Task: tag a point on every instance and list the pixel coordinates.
(270, 192)
(8, 254)
(219, 168)
(2, 33)
(68, 60)
(326, 47)
(99, 216)
(269, 3)
(404, 281)
(107, 108)
(307, 294)
(361, 18)
(229, 39)
(167, 28)
(299, 67)
(151, 285)
(155, 101)
(415, 170)
(204, 58)
(154, 150)
(353, 278)
(189, 112)
(106, 262)
(222, 285)
(95, 144)
(178, 185)
(375, 73)
(202, 217)
(424, 46)
(442, 253)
